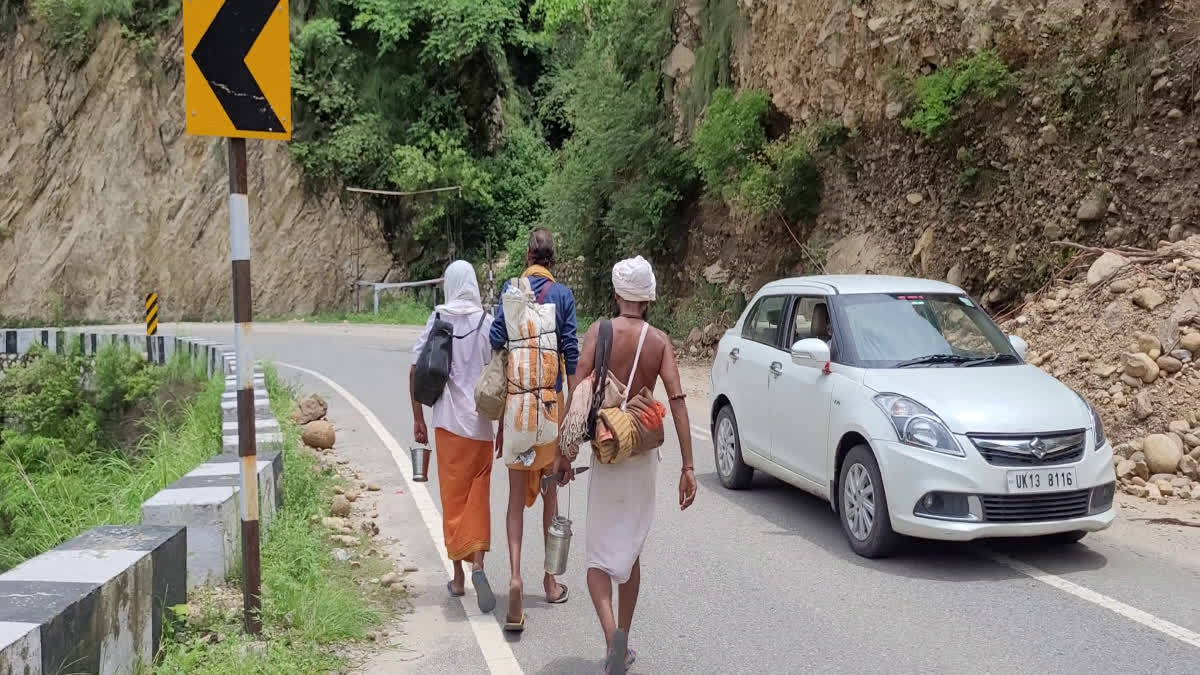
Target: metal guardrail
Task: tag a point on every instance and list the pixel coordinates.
(432, 284)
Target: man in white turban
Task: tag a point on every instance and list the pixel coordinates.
(633, 280)
(621, 495)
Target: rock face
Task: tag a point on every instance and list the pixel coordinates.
(318, 434)
(103, 198)
(1162, 454)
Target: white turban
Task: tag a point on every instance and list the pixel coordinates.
(633, 280)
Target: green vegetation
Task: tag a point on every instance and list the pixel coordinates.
(310, 602)
(85, 441)
(709, 303)
(737, 163)
(71, 24)
(969, 167)
(937, 96)
(619, 181)
(720, 23)
(404, 311)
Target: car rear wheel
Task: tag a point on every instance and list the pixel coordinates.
(734, 473)
(862, 505)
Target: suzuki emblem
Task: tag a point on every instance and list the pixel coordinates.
(1038, 448)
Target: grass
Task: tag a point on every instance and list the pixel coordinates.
(310, 601)
(402, 311)
(81, 492)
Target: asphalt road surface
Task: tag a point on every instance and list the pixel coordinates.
(753, 581)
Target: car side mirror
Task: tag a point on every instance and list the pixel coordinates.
(1020, 345)
(810, 352)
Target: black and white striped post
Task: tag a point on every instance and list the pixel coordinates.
(239, 246)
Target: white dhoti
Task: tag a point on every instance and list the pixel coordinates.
(621, 500)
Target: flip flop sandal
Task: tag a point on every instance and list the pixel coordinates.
(620, 645)
(450, 589)
(483, 591)
(514, 626)
(562, 597)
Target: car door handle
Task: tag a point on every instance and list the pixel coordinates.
(776, 369)
(735, 354)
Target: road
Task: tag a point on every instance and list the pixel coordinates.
(753, 581)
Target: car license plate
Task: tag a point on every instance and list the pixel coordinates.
(1042, 480)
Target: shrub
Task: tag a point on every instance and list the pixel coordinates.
(939, 94)
(731, 134)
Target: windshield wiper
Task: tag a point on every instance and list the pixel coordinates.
(935, 358)
(997, 358)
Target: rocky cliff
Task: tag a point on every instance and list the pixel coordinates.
(1097, 144)
(104, 199)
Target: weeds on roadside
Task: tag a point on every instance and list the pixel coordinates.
(939, 94)
(403, 311)
(309, 600)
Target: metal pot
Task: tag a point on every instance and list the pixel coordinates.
(558, 545)
(420, 463)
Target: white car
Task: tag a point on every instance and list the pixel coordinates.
(902, 403)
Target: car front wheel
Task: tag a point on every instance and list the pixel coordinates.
(862, 505)
(734, 473)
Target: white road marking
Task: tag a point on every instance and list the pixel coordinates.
(1132, 613)
(488, 635)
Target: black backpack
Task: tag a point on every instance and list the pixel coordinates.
(433, 365)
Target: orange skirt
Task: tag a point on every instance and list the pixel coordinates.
(464, 478)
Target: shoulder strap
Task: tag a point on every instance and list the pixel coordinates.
(541, 295)
(599, 374)
(636, 357)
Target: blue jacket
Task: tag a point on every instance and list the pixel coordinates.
(564, 307)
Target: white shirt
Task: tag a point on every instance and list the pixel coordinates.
(455, 410)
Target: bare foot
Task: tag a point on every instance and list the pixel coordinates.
(516, 609)
(554, 590)
(459, 583)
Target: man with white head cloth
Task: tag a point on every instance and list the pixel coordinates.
(621, 495)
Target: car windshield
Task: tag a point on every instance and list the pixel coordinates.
(923, 331)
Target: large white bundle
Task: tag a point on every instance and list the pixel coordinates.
(532, 372)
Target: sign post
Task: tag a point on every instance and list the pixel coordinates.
(152, 314)
(238, 85)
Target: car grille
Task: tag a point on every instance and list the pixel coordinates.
(1032, 508)
(1042, 450)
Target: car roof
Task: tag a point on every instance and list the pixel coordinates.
(847, 284)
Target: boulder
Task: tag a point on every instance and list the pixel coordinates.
(312, 408)
(1162, 453)
(1142, 405)
(318, 434)
(340, 508)
(1192, 440)
(1148, 344)
(1142, 367)
(1190, 342)
(1165, 488)
(1189, 467)
(1179, 427)
(1105, 267)
(1094, 206)
(1147, 298)
(716, 274)
(1169, 364)
(1141, 469)
(1121, 286)
(1125, 469)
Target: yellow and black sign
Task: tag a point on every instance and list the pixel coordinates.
(152, 314)
(237, 75)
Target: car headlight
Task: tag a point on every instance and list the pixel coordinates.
(916, 425)
(1097, 425)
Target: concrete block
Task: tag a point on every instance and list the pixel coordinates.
(262, 410)
(207, 502)
(94, 604)
(270, 424)
(263, 441)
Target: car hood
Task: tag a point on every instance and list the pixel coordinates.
(988, 399)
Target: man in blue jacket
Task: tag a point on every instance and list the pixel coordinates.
(524, 482)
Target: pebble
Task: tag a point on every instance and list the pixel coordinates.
(373, 487)
(340, 506)
(1169, 364)
(340, 554)
(389, 579)
(410, 569)
(1121, 286)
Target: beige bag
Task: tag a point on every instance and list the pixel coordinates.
(492, 388)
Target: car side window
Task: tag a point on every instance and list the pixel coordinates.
(763, 321)
(802, 319)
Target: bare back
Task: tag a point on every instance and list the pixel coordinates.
(656, 360)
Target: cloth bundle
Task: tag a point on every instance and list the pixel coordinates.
(533, 368)
(574, 428)
(637, 428)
